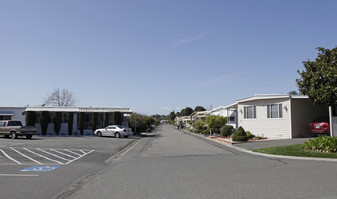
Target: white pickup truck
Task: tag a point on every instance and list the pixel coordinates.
(14, 129)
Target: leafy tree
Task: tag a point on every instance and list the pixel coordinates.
(70, 122)
(293, 93)
(199, 108)
(44, 121)
(137, 122)
(215, 122)
(57, 122)
(61, 98)
(319, 80)
(172, 116)
(186, 111)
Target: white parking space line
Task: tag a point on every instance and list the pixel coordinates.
(79, 157)
(62, 153)
(43, 156)
(25, 156)
(52, 154)
(10, 157)
(72, 152)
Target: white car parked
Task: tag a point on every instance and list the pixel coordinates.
(113, 130)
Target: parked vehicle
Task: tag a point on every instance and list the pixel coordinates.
(320, 126)
(14, 129)
(113, 130)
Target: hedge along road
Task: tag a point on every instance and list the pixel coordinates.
(44, 167)
(174, 164)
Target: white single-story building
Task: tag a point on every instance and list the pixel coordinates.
(277, 116)
(183, 119)
(219, 111)
(105, 115)
(200, 115)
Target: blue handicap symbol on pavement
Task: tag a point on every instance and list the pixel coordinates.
(40, 168)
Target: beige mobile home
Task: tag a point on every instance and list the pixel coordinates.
(278, 116)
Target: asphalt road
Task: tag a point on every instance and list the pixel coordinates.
(59, 164)
(173, 164)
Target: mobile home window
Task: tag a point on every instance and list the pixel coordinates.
(249, 112)
(274, 111)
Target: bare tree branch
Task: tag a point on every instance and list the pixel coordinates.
(61, 98)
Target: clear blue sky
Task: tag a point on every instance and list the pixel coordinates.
(160, 55)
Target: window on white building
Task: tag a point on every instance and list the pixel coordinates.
(5, 117)
(249, 112)
(274, 111)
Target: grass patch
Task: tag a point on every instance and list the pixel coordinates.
(294, 150)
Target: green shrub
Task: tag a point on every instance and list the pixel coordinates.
(226, 130)
(70, 122)
(30, 118)
(117, 118)
(321, 144)
(199, 126)
(57, 122)
(240, 135)
(44, 121)
(250, 135)
(106, 118)
(81, 121)
(94, 121)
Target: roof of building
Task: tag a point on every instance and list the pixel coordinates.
(78, 109)
(271, 96)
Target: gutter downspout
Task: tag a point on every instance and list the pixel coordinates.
(291, 117)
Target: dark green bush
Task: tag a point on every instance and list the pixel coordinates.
(250, 135)
(322, 144)
(199, 127)
(44, 121)
(240, 135)
(30, 118)
(226, 130)
(94, 121)
(106, 118)
(57, 122)
(70, 122)
(81, 122)
(117, 118)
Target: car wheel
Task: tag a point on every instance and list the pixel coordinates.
(29, 136)
(13, 135)
(99, 134)
(117, 135)
(126, 136)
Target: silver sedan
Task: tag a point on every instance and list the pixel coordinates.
(113, 130)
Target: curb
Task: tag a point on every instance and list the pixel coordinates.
(231, 145)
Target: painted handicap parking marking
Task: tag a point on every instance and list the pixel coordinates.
(41, 156)
(40, 168)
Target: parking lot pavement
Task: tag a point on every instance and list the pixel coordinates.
(45, 167)
(270, 143)
(40, 156)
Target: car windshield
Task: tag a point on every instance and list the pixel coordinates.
(121, 127)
